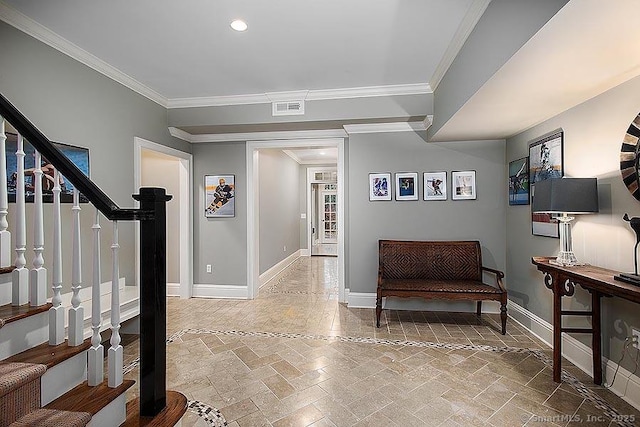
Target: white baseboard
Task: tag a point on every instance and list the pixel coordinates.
(368, 300)
(626, 385)
(276, 269)
(173, 289)
(305, 252)
(220, 291)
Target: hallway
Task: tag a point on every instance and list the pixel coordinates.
(296, 357)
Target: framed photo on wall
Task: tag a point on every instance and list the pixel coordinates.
(407, 186)
(435, 186)
(463, 185)
(379, 186)
(519, 182)
(79, 156)
(219, 196)
(545, 161)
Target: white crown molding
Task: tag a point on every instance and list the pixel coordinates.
(370, 91)
(180, 134)
(390, 127)
(467, 25)
(48, 37)
(257, 136)
(306, 95)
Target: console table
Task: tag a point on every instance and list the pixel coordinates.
(599, 282)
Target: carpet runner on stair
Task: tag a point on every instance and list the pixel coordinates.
(20, 399)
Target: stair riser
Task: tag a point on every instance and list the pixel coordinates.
(114, 414)
(5, 289)
(62, 377)
(19, 336)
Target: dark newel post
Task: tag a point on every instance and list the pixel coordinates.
(153, 309)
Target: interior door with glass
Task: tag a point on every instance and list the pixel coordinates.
(329, 216)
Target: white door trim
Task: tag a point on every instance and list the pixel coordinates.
(253, 216)
(186, 209)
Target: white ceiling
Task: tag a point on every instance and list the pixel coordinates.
(185, 49)
(179, 50)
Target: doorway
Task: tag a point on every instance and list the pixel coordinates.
(324, 212)
(252, 151)
(156, 165)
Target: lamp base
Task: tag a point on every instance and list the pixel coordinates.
(633, 279)
(566, 258)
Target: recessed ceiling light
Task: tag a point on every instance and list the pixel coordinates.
(322, 153)
(239, 25)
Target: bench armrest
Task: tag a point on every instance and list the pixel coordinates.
(499, 276)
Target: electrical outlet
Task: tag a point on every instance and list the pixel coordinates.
(635, 337)
(284, 249)
(208, 268)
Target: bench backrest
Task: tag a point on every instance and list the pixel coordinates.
(439, 260)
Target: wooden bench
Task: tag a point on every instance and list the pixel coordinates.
(437, 270)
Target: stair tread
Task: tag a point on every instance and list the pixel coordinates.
(50, 355)
(15, 375)
(10, 313)
(169, 416)
(84, 398)
(53, 418)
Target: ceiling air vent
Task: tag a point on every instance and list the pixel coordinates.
(287, 108)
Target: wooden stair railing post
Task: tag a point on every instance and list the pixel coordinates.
(20, 276)
(38, 275)
(76, 312)
(5, 235)
(95, 370)
(153, 305)
(56, 312)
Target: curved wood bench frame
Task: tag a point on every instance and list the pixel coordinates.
(437, 267)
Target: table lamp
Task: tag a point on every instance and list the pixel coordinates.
(564, 197)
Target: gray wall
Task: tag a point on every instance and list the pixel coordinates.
(221, 242)
(505, 27)
(482, 219)
(593, 134)
(279, 205)
(73, 104)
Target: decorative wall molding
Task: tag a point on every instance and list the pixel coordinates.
(368, 300)
(219, 291)
(626, 385)
(390, 127)
(264, 136)
(307, 95)
(48, 37)
(467, 25)
(277, 268)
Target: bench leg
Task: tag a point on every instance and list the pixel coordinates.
(479, 308)
(378, 310)
(503, 317)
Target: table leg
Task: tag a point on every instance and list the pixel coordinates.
(596, 339)
(557, 329)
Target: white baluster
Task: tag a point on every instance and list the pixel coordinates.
(38, 279)
(20, 276)
(76, 312)
(5, 235)
(96, 352)
(56, 312)
(115, 359)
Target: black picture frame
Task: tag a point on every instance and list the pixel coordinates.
(546, 160)
(519, 182)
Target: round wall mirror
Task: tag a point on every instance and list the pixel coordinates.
(630, 158)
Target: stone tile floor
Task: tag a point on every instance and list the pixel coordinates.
(294, 356)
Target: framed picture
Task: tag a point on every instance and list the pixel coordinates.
(545, 161)
(379, 186)
(519, 182)
(407, 186)
(435, 186)
(78, 155)
(219, 196)
(463, 185)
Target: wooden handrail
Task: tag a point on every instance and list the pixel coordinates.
(66, 167)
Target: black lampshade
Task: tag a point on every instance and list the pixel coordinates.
(566, 195)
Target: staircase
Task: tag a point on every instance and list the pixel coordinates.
(52, 356)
